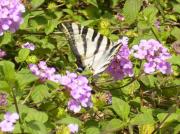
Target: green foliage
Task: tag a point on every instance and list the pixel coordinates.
(121, 108)
(131, 9)
(139, 104)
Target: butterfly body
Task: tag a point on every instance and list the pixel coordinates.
(91, 49)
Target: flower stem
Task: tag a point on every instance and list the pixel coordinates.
(17, 110)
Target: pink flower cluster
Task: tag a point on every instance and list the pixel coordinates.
(2, 53)
(121, 66)
(78, 86)
(10, 15)
(80, 91)
(29, 46)
(155, 55)
(44, 72)
(73, 128)
(7, 125)
(3, 99)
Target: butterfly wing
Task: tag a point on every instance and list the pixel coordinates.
(91, 49)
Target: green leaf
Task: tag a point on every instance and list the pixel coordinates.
(141, 119)
(115, 2)
(36, 3)
(33, 114)
(92, 130)
(131, 10)
(35, 127)
(22, 55)
(171, 118)
(52, 24)
(68, 120)
(175, 60)
(176, 32)
(177, 129)
(93, 2)
(121, 107)
(148, 80)
(6, 38)
(114, 125)
(8, 70)
(131, 88)
(26, 21)
(4, 86)
(176, 8)
(25, 77)
(39, 93)
(149, 14)
(30, 114)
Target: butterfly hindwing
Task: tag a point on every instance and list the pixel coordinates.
(91, 49)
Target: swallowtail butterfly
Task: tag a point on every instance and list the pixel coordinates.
(92, 49)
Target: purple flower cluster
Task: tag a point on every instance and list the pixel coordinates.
(155, 55)
(2, 53)
(10, 15)
(73, 128)
(3, 100)
(44, 72)
(120, 17)
(78, 86)
(7, 124)
(121, 66)
(80, 91)
(29, 46)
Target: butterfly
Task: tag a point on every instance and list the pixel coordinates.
(92, 49)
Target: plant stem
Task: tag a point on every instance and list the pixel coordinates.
(17, 110)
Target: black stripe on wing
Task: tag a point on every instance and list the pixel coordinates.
(83, 36)
(108, 44)
(68, 30)
(95, 33)
(99, 42)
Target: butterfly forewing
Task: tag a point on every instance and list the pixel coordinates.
(91, 49)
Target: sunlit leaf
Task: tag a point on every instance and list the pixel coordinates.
(39, 93)
(121, 108)
(36, 3)
(92, 130)
(131, 10)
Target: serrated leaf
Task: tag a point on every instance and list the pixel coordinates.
(149, 14)
(36, 3)
(92, 130)
(68, 120)
(8, 69)
(148, 80)
(33, 114)
(25, 77)
(114, 125)
(22, 55)
(131, 88)
(52, 24)
(121, 107)
(146, 129)
(141, 119)
(39, 93)
(131, 9)
(35, 127)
